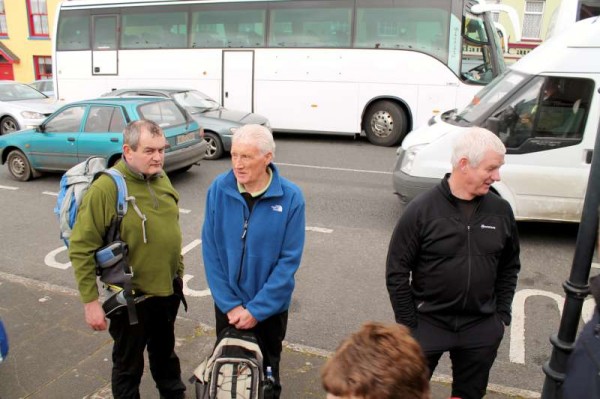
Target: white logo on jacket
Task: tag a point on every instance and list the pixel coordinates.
(277, 208)
(483, 226)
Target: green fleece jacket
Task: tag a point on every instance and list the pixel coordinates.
(155, 263)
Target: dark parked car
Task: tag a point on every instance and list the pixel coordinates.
(88, 128)
(218, 123)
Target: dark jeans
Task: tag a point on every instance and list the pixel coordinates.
(269, 334)
(155, 330)
(472, 352)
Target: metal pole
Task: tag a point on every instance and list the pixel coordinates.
(576, 287)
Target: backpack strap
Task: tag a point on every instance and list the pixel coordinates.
(115, 231)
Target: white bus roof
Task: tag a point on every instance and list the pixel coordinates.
(116, 3)
(575, 50)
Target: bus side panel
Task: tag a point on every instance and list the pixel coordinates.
(73, 73)
(195, 69)
(327, 90)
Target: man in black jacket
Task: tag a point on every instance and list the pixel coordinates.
(453, 262)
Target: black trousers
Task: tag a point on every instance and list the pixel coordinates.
(472, 352)
(156, 331)
(269, 334)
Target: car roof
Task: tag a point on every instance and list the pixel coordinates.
(167, 90)
(121, 100)
(11, 82)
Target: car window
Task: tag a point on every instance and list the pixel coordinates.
(17, 91)
(104, 119)
(165, 113)
(553, 108)
(68, 120)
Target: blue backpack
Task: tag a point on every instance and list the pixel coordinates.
(73, 186)
(3, 342)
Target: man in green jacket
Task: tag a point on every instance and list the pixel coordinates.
(151, 230)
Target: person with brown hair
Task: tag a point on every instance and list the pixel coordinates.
(380, 361)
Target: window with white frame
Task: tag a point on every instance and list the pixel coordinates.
(532, 19)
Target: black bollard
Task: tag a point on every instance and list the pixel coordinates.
(576, 287)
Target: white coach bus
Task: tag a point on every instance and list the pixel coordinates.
(381, 67)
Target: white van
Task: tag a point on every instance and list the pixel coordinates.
(546, 110)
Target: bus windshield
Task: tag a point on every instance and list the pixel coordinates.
(482, 57)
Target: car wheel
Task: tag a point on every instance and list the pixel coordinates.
(19, 166)
(385, 123)
(215, 146)
(8, 124)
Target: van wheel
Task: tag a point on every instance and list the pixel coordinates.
(19, 166)
(385, 123)
(215, 146)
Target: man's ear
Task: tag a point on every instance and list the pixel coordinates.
(463, 163)
(127, 150)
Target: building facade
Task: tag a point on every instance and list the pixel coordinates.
(534, 21)
(26, 39)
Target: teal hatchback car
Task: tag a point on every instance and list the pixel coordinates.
(88, 128)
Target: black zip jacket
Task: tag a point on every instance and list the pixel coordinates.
(449, 269)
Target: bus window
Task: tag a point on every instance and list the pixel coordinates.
(404, 26)
(311, 24)
(73, 32)
(153, 30)
(213, 26)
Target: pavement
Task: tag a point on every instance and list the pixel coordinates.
(55, 355)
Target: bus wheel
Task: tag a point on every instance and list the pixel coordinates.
(385, 123)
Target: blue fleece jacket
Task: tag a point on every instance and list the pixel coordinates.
(255, 269)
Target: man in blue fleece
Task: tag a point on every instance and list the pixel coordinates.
(252, 242)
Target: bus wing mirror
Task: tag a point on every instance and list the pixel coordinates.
(510, 11)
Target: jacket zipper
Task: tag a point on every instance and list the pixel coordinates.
(469, 265)
(244, 234)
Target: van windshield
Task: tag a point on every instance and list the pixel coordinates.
(490, 96)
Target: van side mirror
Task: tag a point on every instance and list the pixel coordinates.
(493, 124)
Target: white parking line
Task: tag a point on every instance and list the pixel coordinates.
(9, 188)
(596, 265)
(181, 210)
(319, 229)
(51, 193)
(331, 168)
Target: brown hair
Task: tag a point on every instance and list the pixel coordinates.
(380, 361)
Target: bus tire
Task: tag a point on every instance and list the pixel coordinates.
(385, 123)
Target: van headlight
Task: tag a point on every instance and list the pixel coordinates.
(409, 158)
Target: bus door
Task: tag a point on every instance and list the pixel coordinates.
(104, 49)
(238, 80)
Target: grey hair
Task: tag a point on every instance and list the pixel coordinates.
(133, 130)
(473, 144)
(257, 135)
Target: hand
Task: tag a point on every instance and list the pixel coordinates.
(94, 316)
(241, 318)
(246, 321)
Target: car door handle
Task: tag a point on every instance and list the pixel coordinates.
(71, 139)
(114, 139)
